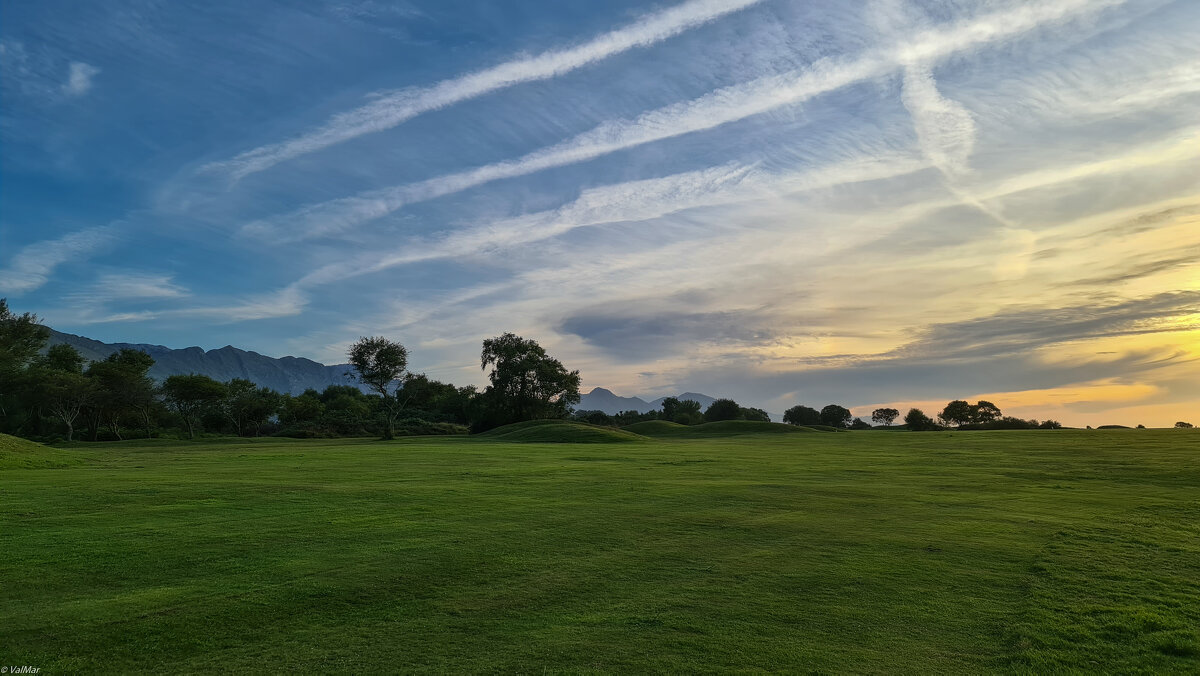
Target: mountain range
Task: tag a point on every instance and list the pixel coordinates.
(600, 399)
(292, 375)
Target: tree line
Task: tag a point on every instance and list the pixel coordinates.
(53, 392)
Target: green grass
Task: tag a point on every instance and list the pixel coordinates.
(663, 428)
(22, 453)
(559, 432)
(976, 552)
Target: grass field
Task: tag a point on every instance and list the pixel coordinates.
(858, 552)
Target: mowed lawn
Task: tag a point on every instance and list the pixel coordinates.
(875, 552)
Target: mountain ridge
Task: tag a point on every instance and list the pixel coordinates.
(288, 374)
(602, 399)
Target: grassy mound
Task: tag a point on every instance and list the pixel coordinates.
(653, 428)
(22, 453)
(662, 428)
(559, 432)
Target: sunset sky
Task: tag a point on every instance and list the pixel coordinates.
(888, 202)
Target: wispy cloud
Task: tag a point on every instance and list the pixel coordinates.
(714, 109)
(32, 266)
(945, 129)
(79, 78)
(392, 109)
(128, 286)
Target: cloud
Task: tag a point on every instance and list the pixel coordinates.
(394, 108)
(632, 201)
(138, 285)
(79, 79)
(1019, 331)
(128, 286)
(945, 129)
(31, 268)
(714, 109)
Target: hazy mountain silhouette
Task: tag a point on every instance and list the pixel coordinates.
(284, 374)
(600, 399)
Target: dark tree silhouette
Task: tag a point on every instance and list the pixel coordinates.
(526, 383)
(884, 416)
(834, 415)
(802, 415)
(722, 409)
(382, 365)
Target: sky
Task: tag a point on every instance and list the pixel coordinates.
(877, 203)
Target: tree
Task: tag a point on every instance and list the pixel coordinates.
(722, 409)
(593, 418)
(755, 414)
(684, 412)
(382, 365)
(802, 415)
(526, 383)
(247, 404)
(1183, 425)
(860, 424)
(834, 415)
(21, 338)
(122, 388)
(984, 412)
(884, 416)
(917, 421)
(957, 413)
(304, 408)
(192, 396)
(60, 386)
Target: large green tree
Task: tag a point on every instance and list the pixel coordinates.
(191, 396)
(722, 409)
(802, 415)
(60, 385)
(884, 416)
(382, 365)
(123, 390)
(21, 338)
(957, 413)
(682, 411)
(248, 406)
(835, 415)
(526, 382)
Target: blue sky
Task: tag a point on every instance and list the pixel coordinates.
(888, 202)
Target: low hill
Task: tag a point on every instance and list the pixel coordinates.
(18, 453)
(559, 431)
(662, 428)
(654, 428)
(291, 375)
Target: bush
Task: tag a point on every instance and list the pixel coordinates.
(1183, 425)
(420, 427)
